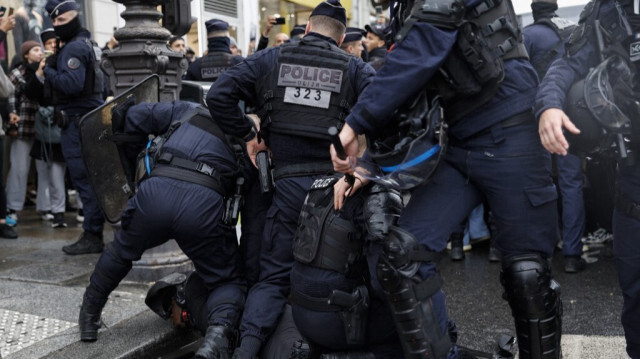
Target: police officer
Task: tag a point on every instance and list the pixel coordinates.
(300, 90)
(353, 41)
(335, 305)
(297, 33)
(620, 20)
(182, 196)
(545, 40)
(218, 59)
(74, 84)
(493, 151)
(376, 45)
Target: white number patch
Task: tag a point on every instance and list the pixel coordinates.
(307, 97)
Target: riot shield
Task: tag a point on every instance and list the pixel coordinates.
(100, 154)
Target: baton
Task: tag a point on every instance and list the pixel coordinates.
(335, 140)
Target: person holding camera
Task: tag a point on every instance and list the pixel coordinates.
(279, 39)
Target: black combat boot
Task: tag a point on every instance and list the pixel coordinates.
(457, 250)
(87, 243)
(217, 342)
(89, 319)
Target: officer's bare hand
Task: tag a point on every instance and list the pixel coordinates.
(271, 20)
(7, 23)
(13, 118)
(550, 129)
(349, 141)
(343, 189)
(253, 147)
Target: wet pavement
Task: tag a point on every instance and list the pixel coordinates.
(41, 290)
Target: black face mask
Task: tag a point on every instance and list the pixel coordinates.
(542, 9)
(67, 31)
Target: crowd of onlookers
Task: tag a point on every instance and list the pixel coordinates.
(30, 127)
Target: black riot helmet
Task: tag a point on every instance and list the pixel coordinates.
(410, 154)
(604, 106)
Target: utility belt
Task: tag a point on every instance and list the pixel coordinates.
(64, 120)
(303, 169)
(628, 207)
(516, 120)
(353, 309)
(200, 173)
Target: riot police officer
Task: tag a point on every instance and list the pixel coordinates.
(74, 84)
(335, 305)
(487, 86)
(545, 40)
(300, 89)
(218, 59)
(608, 34)
(194, 160)
(353, 41)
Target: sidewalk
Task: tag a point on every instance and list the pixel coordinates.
(40, 295)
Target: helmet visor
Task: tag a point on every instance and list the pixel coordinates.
(416, 166)
(600, 94)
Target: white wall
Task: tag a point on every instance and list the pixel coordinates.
(103, 16)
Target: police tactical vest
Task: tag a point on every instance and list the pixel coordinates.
(309, 91)
(488, 35)
(323, 238)
(156, 160)
(213, 65)
(563, 29)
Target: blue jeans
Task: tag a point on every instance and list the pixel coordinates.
(476, 228)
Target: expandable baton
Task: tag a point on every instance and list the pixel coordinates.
(335, 140)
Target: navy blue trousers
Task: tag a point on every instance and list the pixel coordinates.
(570, 182)
(266, 299)
(165, 208)
(512, 170)
(626, 248)
(70, 141)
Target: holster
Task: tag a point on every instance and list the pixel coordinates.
(355, 314)
(232, 205)
(265, 172)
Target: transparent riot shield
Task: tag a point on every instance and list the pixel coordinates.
(100, 153)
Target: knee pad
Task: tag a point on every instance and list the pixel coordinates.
(534, 298)
(409, 296)
(381, 210)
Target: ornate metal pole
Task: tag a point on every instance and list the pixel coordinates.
(142, 50)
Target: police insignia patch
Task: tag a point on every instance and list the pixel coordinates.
(73, 63)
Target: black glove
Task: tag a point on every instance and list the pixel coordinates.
(52, 61)
(119, 114)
